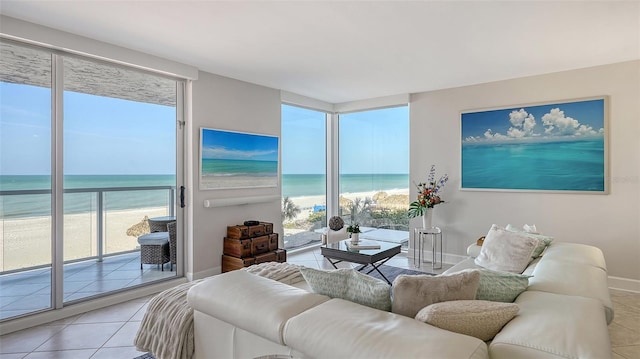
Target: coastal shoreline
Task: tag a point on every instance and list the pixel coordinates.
(306, 203)
(26, 241)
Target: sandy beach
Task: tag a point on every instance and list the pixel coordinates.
(306, 203)
(26, 241)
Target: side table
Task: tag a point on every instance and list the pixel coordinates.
(419, 236)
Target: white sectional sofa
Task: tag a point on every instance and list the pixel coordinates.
(563, 314)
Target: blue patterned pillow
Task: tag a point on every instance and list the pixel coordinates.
(501, 286)
(351, 285)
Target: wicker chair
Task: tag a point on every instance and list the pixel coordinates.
(154, 249)
(157, 226)
(171, 227)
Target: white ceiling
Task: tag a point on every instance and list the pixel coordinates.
(346, 51)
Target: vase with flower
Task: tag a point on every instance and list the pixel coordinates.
(428, 197)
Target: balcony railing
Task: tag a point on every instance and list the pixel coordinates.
(26, 237)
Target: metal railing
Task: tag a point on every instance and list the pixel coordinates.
(100, 209)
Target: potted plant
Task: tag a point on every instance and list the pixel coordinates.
(354, 232)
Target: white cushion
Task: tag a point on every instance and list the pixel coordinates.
(573, 279)
(477, 318)
(259, 305)
(155, 238)
(507, 251)
(342, 329)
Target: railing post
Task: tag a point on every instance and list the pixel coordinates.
(172, 201)
(100, 223)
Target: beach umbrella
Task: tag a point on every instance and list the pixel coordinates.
(380, 196)
(139, 228)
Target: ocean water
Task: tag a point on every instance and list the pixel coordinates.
(16, 206)
(296, 185)
(293, 185)
(570, 166)
(229, 168)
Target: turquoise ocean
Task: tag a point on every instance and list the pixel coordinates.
(293, 185)
(569, 166)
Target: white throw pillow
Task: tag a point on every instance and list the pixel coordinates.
(506, 251)
(544, 241)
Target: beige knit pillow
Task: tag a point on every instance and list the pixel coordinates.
(476, 318)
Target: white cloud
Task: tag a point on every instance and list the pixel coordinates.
(515, 133)
(557, 124)
(523, 124)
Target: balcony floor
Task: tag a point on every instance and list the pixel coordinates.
(30, 291)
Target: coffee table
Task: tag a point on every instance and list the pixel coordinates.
(338, 252)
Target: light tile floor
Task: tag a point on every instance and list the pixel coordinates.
(109, 332)
(30, 291)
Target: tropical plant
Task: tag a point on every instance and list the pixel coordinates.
(360, 210)
(289, 209)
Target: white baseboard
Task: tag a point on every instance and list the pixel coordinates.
(625, 284)
(447, 258)
(203, 274)
(83, 307)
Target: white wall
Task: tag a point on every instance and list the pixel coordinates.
(227, 104)
(610, 222)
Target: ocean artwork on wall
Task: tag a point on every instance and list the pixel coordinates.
(237, 160)
(560, 146)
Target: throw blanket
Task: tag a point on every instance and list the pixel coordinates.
(282, 272)
(166, 329)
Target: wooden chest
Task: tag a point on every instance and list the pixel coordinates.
(242, 232)
(230, 263)
(247, 245)
(242, 248)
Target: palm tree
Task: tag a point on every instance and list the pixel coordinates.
(361, 210)
(289, 209)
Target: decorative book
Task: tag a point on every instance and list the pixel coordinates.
(363, 245)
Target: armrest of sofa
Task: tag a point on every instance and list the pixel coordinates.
(473, 250)
(553, 326)
(256, 304)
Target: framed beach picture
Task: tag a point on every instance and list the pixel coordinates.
(559, 146)
(237, 160)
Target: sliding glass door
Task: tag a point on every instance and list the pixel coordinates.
(119, 169)
(89, 158)
(25, 181)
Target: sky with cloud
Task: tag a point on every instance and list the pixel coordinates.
(555, 122)
(229, 145)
